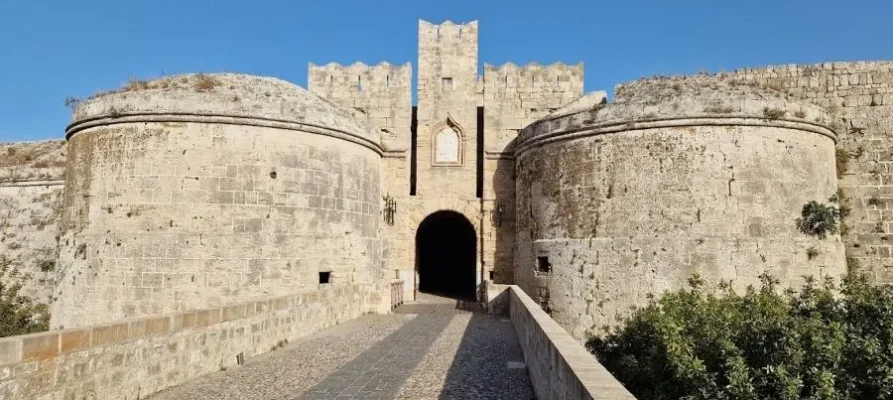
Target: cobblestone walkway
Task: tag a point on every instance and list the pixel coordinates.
(435, 348)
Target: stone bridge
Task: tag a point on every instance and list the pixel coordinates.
(320, 345)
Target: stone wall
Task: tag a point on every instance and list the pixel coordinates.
(513, 97)
(31, 185)
(623, 202)
(447, 53)
(132, 359)
(860, 95)
(170, 208)
(381, 93)
(559, 367)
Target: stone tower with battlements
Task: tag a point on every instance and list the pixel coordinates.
(452, 152)
(200, 191)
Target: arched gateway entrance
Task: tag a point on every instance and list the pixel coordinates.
(446, 244)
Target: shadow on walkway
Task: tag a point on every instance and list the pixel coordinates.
(489, 363)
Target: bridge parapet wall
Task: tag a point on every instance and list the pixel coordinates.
(559, 366)
(133, 359)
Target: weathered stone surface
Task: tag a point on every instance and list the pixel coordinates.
(628, 200)
(426, 350)
(136, 358)
(31, 185)
(559, 367)
(201, 192)
(165, 216)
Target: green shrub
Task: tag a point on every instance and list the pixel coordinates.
(19, 315)
(825, 342)
(818, 219)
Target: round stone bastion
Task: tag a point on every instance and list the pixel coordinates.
(198, 191)
(618, 203)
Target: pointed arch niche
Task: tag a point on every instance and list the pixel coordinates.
(447, 144)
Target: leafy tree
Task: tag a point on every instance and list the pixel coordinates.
(18, 314)
(822, 342)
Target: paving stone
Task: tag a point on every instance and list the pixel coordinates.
(435, 348)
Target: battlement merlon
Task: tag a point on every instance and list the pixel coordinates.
(381, 92)
(447, 52)
(448, 30)
(515, 96)
(359, 78)
(553, 77)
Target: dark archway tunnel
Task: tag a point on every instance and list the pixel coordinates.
(446, 245)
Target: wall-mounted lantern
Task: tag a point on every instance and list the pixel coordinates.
(390, 209)
(497, 213)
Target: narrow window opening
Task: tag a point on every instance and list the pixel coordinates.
(446, 84)
(387, 81)
(506, 81)
(438, 33)
(542, 265)
(480, 153)
(492, 275)
(413, 149)
(360, 83)
(330, 80)
(240, 358)
(557, 80)
(325, 277)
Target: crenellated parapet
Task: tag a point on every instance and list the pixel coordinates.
(833, 84)
(515, 96)
(380, 93)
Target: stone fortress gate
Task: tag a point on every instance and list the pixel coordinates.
(248, 209)
(205, 190)
(448, 161)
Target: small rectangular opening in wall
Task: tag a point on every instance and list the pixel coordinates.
(543, 266)
(325, 277)
(446, 84)
(480, 153)
(359, 83)
(492, 275)
(413, 151)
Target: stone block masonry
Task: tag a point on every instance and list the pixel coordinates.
(860, 96)
(380, 93)
(29, 213)
(31, 185)
(515, 96)
(626, 201)
(184, 198)
(132, 359)
(559, 367)
(205, 191)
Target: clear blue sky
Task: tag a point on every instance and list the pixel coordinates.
(50, 49)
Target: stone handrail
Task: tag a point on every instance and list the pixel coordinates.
(134, 358)
(558, 365)
(396, 294)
